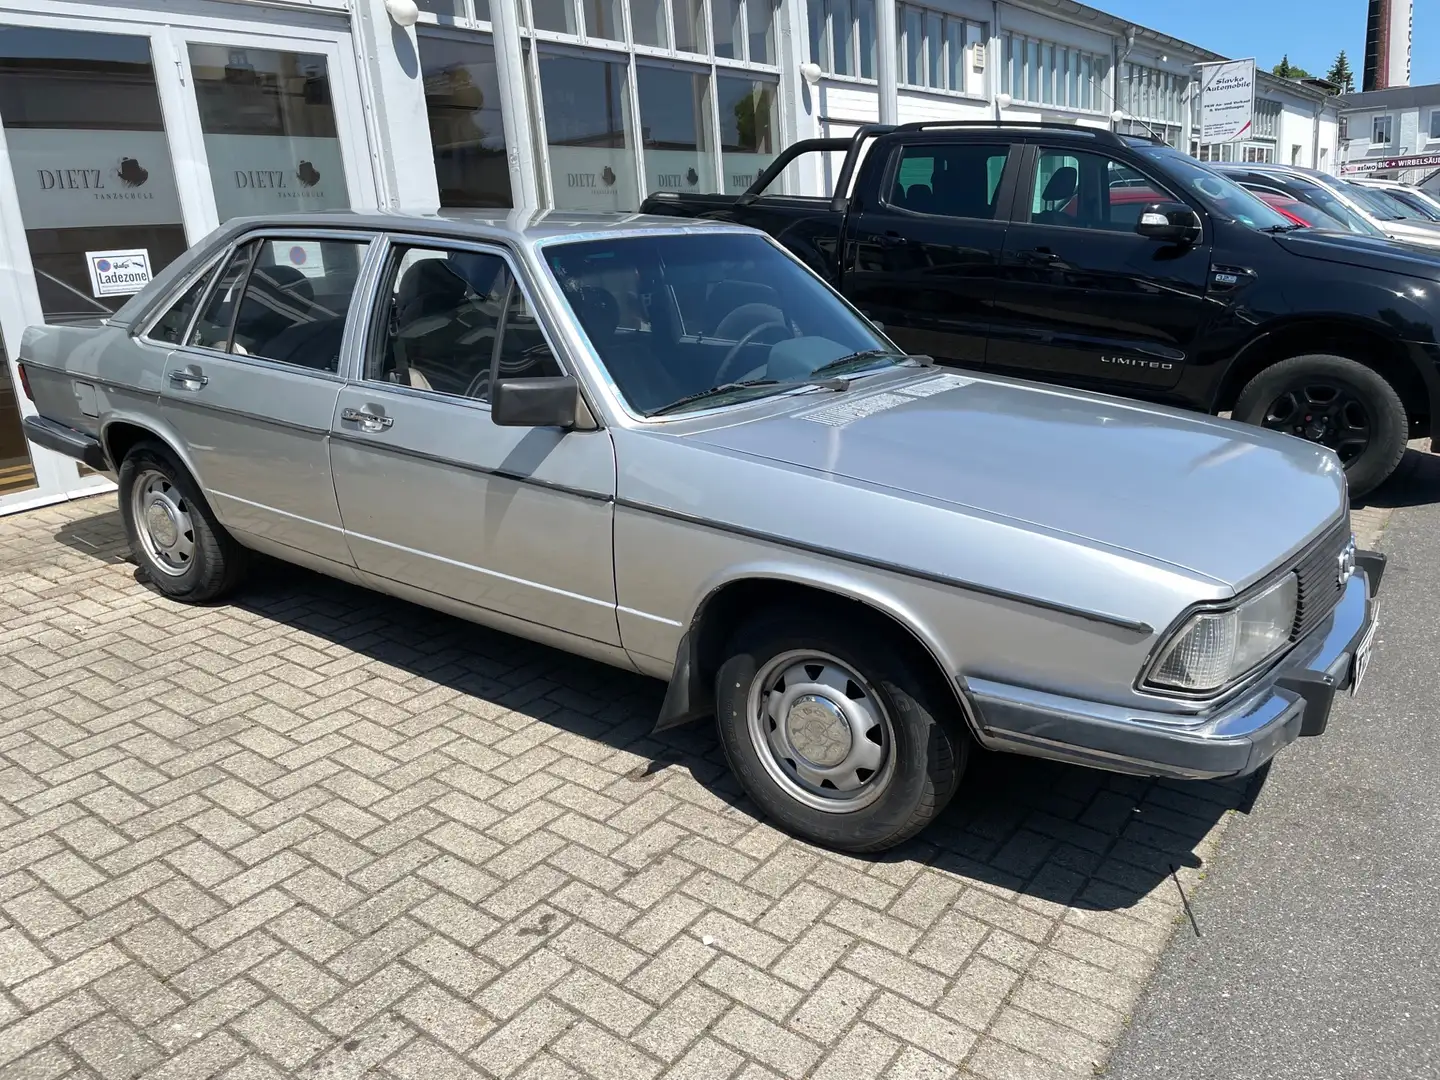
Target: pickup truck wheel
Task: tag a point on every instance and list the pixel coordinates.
(837, 735)
(1338, 403)
(173, 534)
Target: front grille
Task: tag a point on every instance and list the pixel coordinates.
(1319, 574)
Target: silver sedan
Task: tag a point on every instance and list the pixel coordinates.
(676, 450)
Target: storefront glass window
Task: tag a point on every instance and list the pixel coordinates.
(688, 17)
(269, 127)
(16, 472)
(603, 19)
(92, 166)
(675, 129)
(749, 129)
(557, 15)
(728, 30)
(592, 160)
(760, 14)
(462, 99)
(647, 22)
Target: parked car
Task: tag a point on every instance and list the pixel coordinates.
(1300, 213)
(670, 447)
(1001, 247)
(1272, 181)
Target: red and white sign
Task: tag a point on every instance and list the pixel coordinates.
(1370, 165)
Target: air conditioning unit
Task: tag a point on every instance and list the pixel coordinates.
(979, 52)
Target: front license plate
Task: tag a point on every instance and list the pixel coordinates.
(1362, 656)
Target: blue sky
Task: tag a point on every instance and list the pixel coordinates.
(1312, 31)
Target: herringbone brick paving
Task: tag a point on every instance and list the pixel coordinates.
(321, 832)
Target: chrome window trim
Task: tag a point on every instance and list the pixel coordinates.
(163, 306)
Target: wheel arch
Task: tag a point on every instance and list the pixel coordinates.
(1363, 342)
(749, 590)
(120, 432)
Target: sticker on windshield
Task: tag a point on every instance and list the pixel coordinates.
(847, 411)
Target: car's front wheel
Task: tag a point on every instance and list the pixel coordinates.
(173, 534)
(1338, 403)
(839, 734)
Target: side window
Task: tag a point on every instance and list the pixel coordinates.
(1084, 190)
(170, 327)
(951, 180)
(296, 301)
(212, 329)
(448, 312)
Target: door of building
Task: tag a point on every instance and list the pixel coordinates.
(127, 136)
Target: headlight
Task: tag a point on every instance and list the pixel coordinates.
(1214, 648)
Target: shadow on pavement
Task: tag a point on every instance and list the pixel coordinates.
(1057, 833)
(1415, 482)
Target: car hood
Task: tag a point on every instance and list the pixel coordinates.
(1411, 256)
(1219, 499)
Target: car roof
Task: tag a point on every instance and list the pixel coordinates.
(522, 226)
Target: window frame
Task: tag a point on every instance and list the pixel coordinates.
(372, 332)
(1389, 122)
(1434, 125)
(1025, 190)
(207, 264)
(358, 301)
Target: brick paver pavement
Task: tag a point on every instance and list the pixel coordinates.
(321, 832)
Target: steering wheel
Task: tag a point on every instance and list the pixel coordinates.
(722, 373)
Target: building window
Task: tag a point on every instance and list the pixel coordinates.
(1148, 93)
(462, 101)
(1435, 124)
(1258, 154)
(842, 36)
(1382, 130)
(587, 125)
(675, 129)
(941, 52)
(749, 128)
(1045, 73)
(456, 9)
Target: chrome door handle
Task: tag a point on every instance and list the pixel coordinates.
(188, 378)
(367, 420)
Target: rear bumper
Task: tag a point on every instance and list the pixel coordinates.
(1234, 739)
(67, 441)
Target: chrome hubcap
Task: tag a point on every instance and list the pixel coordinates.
(821, 732)
(163, 522)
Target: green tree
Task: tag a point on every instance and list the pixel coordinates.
(1341, 75)
(1287, 70)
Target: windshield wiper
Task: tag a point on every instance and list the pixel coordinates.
(866, 357)
(1273, 229)
(748, 384)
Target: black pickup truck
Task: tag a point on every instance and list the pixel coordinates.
(1115, 263)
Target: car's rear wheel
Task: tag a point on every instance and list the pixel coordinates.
(1338, 403)
(839, 734)
(173, 534)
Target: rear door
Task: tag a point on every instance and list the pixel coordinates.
(1081, 297)
(923, 256)
(252, 389)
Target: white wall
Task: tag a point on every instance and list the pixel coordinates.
(915, 107)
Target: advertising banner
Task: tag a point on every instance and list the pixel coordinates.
(1370, 165)
(1227, 101)
(268, 174)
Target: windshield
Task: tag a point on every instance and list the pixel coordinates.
(1219, 193)
(1420, 207)
(1375, 201)
(1319, 196)
(674, 316)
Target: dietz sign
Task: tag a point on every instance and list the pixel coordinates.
(123, 181)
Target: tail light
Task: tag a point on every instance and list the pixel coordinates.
(25, 382)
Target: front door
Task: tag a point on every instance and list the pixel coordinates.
(1084, 299)
(252, 389)
(434, 495)
(923, 260)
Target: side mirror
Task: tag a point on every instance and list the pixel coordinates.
(1170, 222)
(547, 402)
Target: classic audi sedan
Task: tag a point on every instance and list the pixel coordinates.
(675, 449)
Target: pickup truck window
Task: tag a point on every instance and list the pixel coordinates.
(950, 180)
(1085, 190)
(778, 322)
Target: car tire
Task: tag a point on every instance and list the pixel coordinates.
(1276, 398)
(918, 744)
(173, 534)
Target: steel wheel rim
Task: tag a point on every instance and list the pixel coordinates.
(163, 523)
(821, 732)
(1325, 412)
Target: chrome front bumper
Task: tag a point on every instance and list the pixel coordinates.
(1235, 738)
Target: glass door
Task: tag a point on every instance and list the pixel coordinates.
(277, 121)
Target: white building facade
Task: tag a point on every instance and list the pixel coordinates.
(135, 128)
(1394, 134)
